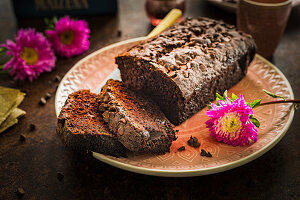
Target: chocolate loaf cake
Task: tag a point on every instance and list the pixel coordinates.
(182, 68)
(81, 127)
(138, 123)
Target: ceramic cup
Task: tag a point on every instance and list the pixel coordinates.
(264, 21)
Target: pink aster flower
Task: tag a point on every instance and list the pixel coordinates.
(31, 55)
(230, 122)
(70, 37)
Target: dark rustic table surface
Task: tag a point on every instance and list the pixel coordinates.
(33, 165)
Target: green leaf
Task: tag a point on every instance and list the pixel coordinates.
(209, 106)
(220, 97)
(255, 103)
(225, 94)
(3, 49)
(254, 121)
(50, 23)
(273, 95)
(234, 97)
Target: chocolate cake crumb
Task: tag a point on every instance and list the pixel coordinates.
(32, 127)
(42, 101)
(203, 152)
(208, 154)
(20, 192)
(176, 131)
(22, 138)
(48, 95)
(181, 148)
(193, 142)
(60, 176)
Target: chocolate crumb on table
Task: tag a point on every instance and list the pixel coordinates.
(193, 142)
(60, 176)
(32, 127)
(47, 96)
(22, 138)
(57, 78)
(42, 101)
(20, 192)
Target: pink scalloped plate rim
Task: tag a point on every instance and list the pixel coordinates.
(93, 70)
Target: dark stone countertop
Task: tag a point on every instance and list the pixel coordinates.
(33, 165)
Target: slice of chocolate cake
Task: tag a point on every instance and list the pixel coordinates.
(138, 122)
(81, 126)
(182, 68)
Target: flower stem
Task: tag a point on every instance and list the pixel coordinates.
(280, 101)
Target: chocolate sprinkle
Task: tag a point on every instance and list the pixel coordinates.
(193, 142)
(60, 176)
(181, 148)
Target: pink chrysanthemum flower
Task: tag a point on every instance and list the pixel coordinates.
(31, 55)
(230, 122)
(70, 37)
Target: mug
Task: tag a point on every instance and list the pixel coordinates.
(265, 20)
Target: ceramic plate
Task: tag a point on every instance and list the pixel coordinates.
(93, 71)
(231, 6)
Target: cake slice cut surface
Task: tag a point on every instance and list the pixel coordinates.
(138, 122)
(82, 128)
